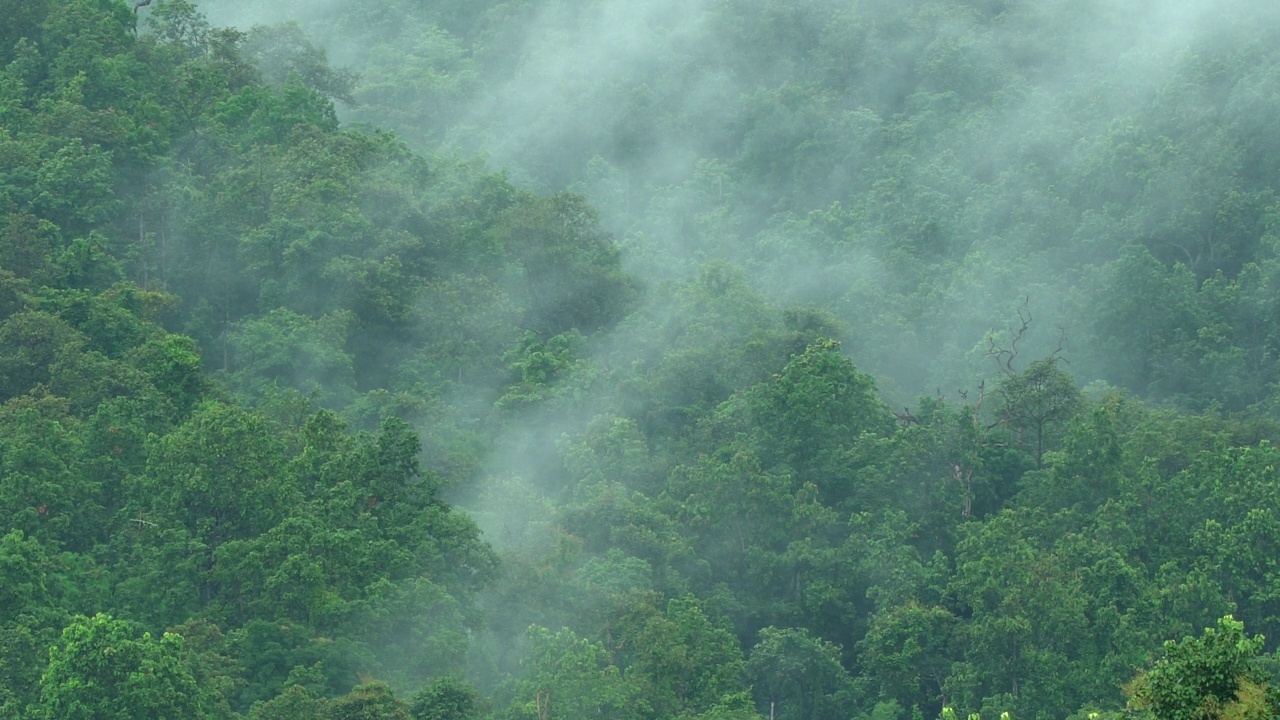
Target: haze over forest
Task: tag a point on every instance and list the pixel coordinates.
(648, 360)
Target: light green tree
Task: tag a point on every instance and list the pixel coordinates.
(101, 670)
(1212, 677)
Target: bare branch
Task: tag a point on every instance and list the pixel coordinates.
(1004, 357)
(1056, 355)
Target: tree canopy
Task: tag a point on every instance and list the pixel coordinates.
(534, 359)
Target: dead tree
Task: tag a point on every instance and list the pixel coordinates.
(1003, 356)
(139, 4)
(1038, 397)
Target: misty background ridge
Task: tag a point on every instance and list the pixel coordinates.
(918, 169)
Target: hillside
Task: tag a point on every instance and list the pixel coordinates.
(712, 361)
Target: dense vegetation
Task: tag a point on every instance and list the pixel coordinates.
(254, 360)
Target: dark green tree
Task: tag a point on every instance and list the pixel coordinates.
(447, 698)
(1037, 403)
(572, 272)
(798, 677)
(368, 701)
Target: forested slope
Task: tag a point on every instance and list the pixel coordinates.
(252, 361)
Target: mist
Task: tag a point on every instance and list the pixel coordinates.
(809, 166)
(761, 325)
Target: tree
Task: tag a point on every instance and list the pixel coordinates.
(285, 349)
(369, 701)
(285, 55)
(101, 670)
(28, 245)
(819, 401)
(1025, 617)
(738, 706)
(295, 703)
(447, 698)
(1038, 402)
(24, 565)
(572, 268)
(220, 473)
(41, 491)
(684, 661)
(798, 676)
(906, 652)
(1212, 677)
(811, 416)
(173, 364)
(569, 677)
(180, 24)
(30, 342)
(738, 512)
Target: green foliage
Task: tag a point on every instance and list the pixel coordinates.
(447, 698)
(23, 566)
(1037, 403)
(368, 701)
(798, 676)
(284, 349)
(218, 476)
(101, 669)
(294, 703)
(815, 409)
(179, 23)
(569, 676)
(285, 55)
(173, 366)
(32, 341)
(684, 661)
(571, 269)
(1212, 676)
(907, 652)
(634, 382)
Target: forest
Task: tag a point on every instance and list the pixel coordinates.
(640, 360)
